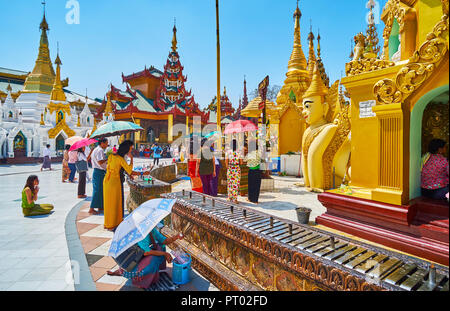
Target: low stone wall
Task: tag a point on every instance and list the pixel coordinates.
(165, 173)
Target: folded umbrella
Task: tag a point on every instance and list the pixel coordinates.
(136, 226)
(82, 143)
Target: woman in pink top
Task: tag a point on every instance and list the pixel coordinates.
(434, 181)
(73, 157)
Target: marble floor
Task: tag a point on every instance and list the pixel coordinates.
(34, 252)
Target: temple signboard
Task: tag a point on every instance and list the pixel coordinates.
(365, 109)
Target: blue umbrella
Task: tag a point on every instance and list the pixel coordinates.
(136, 226)
(116, 128)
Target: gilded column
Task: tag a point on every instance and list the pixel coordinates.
(137, 135)
(170, 128)
(187, 125)
(390, 151)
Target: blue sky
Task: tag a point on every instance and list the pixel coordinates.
(123, 36)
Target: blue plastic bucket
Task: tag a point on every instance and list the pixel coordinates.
(181, 274)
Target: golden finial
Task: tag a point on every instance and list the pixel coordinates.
(297, 13)
(317, 87)
(44, 24)
(78, 122)
(318, 43)
(298, 59)
(9, 88)
(42, 119)
(174, 39)
(57, 60)
(108, 107)
(224, 91)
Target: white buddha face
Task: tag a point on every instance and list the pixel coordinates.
(313, 109)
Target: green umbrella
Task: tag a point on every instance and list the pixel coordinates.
(116, 128)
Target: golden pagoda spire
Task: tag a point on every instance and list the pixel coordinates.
(224, 91)
(57, 93)
(317, 87)
(298, 59)
(174, 39)
(42, 77)
(298, 78)
(311, 56)
(323, 74)
(9, 88)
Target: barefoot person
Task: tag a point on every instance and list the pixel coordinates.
(112, 184)
(146, 272)
(30, 195)
(99, 164)
(65, 164)
(47, 154)
(232, 163)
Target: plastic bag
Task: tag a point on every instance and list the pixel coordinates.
(179, 256)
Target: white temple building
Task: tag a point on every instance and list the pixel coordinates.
(43, 111)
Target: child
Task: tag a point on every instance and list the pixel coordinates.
(29, 196)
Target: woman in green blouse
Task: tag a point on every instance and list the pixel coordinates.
(30, 195)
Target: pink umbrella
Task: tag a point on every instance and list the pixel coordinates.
(82, 143)
(240, 126)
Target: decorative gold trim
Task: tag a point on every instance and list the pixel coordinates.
(61, 126)
(419, 68)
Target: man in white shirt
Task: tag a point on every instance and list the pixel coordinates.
(99, 163)
(47, 154)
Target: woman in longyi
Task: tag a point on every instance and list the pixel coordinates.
(112, 184)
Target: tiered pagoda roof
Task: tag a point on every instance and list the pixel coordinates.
(165, 92)
(226, 107)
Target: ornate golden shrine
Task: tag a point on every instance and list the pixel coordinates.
(435, 124)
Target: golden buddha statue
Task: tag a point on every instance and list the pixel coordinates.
(326, 143)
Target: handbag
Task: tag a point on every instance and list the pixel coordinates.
(129, 259)
(196, 182)
(81, 166)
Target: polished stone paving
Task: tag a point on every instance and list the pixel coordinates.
(34, 252)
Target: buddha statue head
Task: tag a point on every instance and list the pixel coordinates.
(315, 109)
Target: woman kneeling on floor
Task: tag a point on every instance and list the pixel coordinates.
(30, 195)
(146, 273)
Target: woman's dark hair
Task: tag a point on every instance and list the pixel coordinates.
(102, 140)
(67, 147)
(124, 148)
(30, 182)
(435, 145)
(80, 150)
(48, 145)
(234, 145)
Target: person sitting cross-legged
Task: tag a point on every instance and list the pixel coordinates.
(30, 195)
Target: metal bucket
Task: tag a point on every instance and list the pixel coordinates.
(303, 214)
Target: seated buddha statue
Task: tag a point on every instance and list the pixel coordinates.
(326, 143)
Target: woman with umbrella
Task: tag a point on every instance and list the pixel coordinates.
(81, 163)
(140, 228)
(155, 257)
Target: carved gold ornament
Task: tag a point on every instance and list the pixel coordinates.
(419, 68)
(366, 65)
(396, 11)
